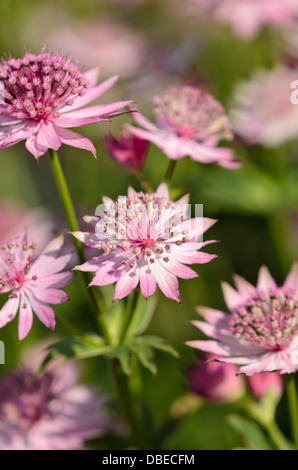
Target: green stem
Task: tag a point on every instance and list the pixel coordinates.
(131, 307)
(293, 406)
(96, 304)
(68, 327)
(170, 172)
(276, 436)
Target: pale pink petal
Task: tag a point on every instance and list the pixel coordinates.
(147, 280)
(47, 137)
(75, 140)
(167, 282)
(25, 317)
(232, 298)
(265, 280)
(291, 281)
(246, 289)
(9, 311)
(126, 284)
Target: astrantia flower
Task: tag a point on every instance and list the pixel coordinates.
(248, 17)
(262, 111)
(48, 411)
(145, 239)
(42, 95)
(129, 151)
(214, 380)
(188, 123)
(262, 331)
(32, 284)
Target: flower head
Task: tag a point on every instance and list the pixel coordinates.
(260, 384)
(145, 239)
(261, 332)
(129, 150)
(32, 284)
(42, 95)
(214, 380)
(262, 111)
(248, 17)
(188, 123)
(48, 411)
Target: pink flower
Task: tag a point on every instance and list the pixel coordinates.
(108, 42)
(260, 384)
(261, 333)
(248, 17)
(214, 380)
(188, 123)
(262, 111)
(145, 239)
(32, 284)
(48, 411)
(129, 150)
(42, 95)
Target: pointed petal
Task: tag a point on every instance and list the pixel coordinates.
(47, 137)
(265, 280)
(9, 311)
(232, 298)
(75, 140)
(25, 317)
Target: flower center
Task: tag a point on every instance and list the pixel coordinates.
(16, 262)
(38, 86)
(24, 399)
(270, 321)
(191, 114)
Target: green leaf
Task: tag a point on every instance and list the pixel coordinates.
(143, 348)
(253, 435)
(79, 348)
(142, 316)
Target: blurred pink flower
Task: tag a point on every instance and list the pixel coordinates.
(129, 151)
(262, 331)
(260, 384)
(42, 95)
(262, 111)
(146, 240)
(48, 411)
(188, 123)
(14, 218)
(108, 42)
(215, 381)
(248, 17)
(32, 284)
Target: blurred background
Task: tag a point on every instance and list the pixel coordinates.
(153, 45)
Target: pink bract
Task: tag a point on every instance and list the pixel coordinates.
(260, 384)
(43, 95)
(215, 381)
(261, 334)
(188, 123)
(145, 239)
(129, 151)
(32, 284)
